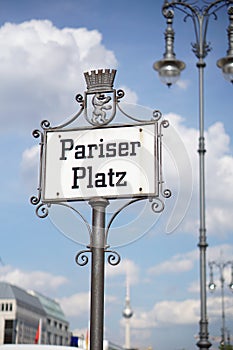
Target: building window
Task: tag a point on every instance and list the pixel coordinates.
(9, 332)
(60, 325)
(48, 321)
(55, 323)
(49, 338)
(6, 307)
(60, 343)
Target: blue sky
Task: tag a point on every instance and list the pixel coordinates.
(41, 71)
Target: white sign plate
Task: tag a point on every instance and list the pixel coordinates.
(109, 162)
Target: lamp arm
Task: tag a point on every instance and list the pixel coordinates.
(200, 18)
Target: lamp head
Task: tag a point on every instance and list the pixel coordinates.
(212, 286)
(226, 64)
(231, 286)
(169, 70)
(169, 67)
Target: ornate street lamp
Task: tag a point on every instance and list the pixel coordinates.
(169, 69)
(212, 286)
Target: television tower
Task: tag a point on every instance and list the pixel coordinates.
(127, 314)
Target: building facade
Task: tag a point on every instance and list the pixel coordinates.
(27, 317)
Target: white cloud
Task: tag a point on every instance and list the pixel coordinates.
(219, 174)
(76, 304)
(220, 252)
(219, 165)
(41, 71)
(127, 268)
(29, 157)
(30, 168)
(177, 312)
(130, 96)
(183, 84)
(176, 265)
(185, 262)
(167, 312)
(215, 307)
(38, 280)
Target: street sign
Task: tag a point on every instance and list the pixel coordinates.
(110, 162)
(96, 164)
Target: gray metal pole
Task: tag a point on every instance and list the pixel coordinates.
(223, 329)
(97, 246)
(203, 343)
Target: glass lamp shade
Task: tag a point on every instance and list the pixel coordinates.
(212, 286)
(169, 70)
(226, 64)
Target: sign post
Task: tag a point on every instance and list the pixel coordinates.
(97, 164)
(97, 277)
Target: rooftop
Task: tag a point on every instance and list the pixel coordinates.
(35, 301)
(8, 291)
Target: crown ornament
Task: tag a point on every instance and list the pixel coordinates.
(100, 80)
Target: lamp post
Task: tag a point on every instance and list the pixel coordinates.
(169, 69)
(212, 286)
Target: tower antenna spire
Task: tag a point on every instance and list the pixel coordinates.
(127, 313)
